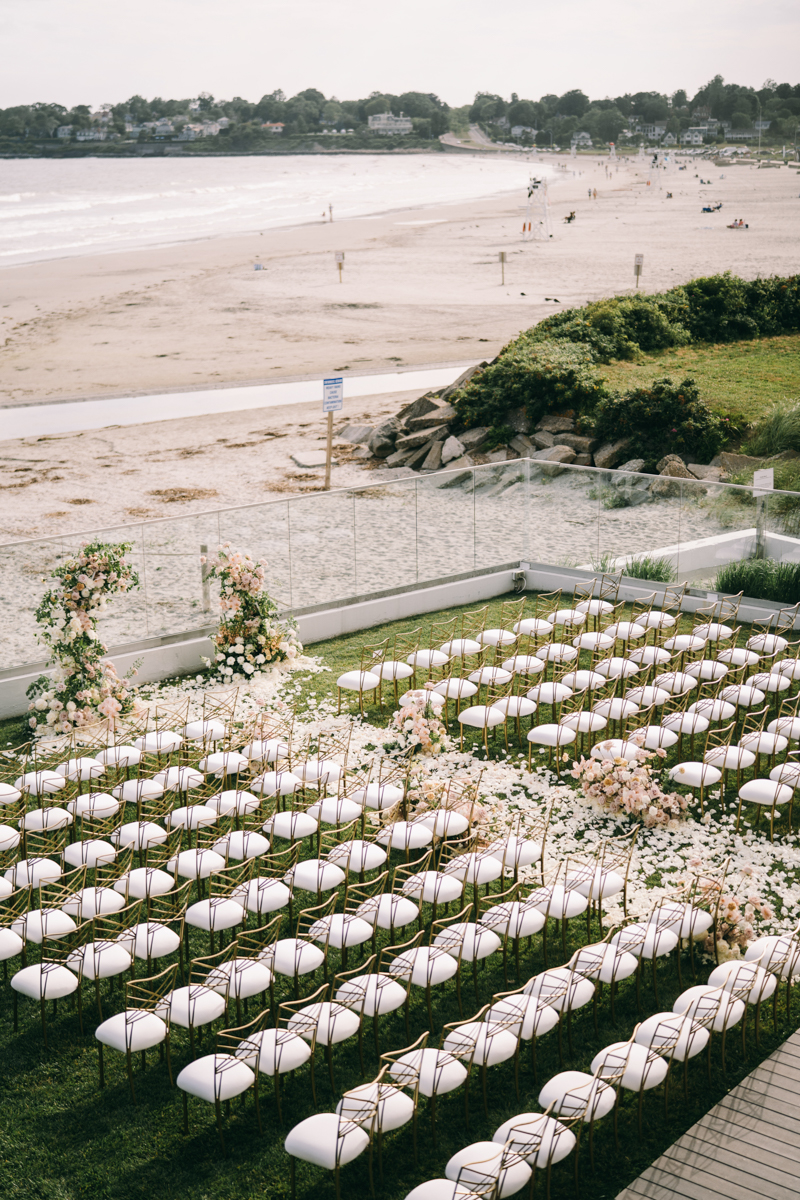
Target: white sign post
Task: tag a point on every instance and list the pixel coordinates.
(638, 263)
(332, 401)
(339, 261)
(503, 267)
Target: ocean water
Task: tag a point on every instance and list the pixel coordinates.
(56, 208)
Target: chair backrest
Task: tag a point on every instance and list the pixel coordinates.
(14, 907)
(357, 895)
(308, 917)
(207, 971)
(374, 654)
(450, 938)
(511, 613)
(473, 623)
(152, 994)
(358, 978)
(257, 943)
(720, 737)
(44, 843)
(545, 602)
(110, 871)
(777, 623)
(304, 1024)
(464, 1036)
(755, 720)
(171, 906)
(389, 954)
(497, 900)
(441, 632)
(54, 893)
(405, 644)
(228, 879)
(642, 606)
(406, 1075)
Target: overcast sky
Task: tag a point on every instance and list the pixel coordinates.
(92, 51)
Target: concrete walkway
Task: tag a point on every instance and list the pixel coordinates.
(746, 1147)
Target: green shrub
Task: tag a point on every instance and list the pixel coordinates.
(618, 327)
(762, 579)
(539, 375)
(664, 418)
(646, 566)
(778, 429)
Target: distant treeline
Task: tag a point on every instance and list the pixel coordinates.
(551, 120)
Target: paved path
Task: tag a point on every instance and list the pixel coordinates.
(746, 1147)
(37, 419)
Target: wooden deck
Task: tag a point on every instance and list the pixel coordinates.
(746, 1147)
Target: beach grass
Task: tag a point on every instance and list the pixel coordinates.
(736, 379)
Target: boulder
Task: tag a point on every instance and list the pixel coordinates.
(732, 464)
(784, 456)
(417, 456)
(611, 453)
(583, 460)
(668, 458)
(408, 441)
(462, 379)
(438, 416)
(664, 486)
(543, 438)
(556, 454)
(633, 464)
(464, 461)
(522, 444)
(361, 452)
(381, 444)
(712, 474)
(501, 454)
(460, 477)
(452, 449)
(434, 457)
(473, 439)
(428, 403)
(676, 469)
(518, 420)
(356, 433)
(581, 445)
(557, 423)
(398, 458)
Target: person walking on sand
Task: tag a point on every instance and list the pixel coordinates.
(594, 194)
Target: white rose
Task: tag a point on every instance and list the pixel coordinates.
(231, 661)
(248, 668)
(260, 658)
(41, 704)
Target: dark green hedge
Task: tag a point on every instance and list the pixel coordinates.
(664, 418)
(539, 375)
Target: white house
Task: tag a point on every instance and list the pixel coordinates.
(693, 136)
(273, 126)
(518, 130)
(64, 131)
(91, 135)
(388, 123)
(582, 138)
(669, 139)
(653, 130)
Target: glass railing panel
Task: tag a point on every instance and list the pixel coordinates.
(322, 548)
(173, 572)
(263, 531)
(501, 504)
(385, 518)
(445, 524)
(562, 514)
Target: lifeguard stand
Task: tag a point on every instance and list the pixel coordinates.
(536, 225)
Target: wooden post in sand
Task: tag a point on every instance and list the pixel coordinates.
(332, 401)
(638, 263)
(502, 267)
(340, 262)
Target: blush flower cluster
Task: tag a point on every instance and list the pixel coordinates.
(83, 687)
(417, 724)
(250, 637)
(629, 787)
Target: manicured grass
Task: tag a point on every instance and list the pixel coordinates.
(62, 1139)
(736, 379)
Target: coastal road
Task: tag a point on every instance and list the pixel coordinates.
(38, 420)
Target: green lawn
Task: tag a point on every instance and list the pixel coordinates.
(63, 1139)
(736, 379)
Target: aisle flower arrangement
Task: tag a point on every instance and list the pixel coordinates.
(737, 915)
(84, 686)
(630, 788)
(417, 724)
(251, 638)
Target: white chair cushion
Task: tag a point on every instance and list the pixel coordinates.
(316, 1140)
(134, 1030)
(216, 1077)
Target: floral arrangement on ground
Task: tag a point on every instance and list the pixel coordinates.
(84, 687)
(251, 637)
